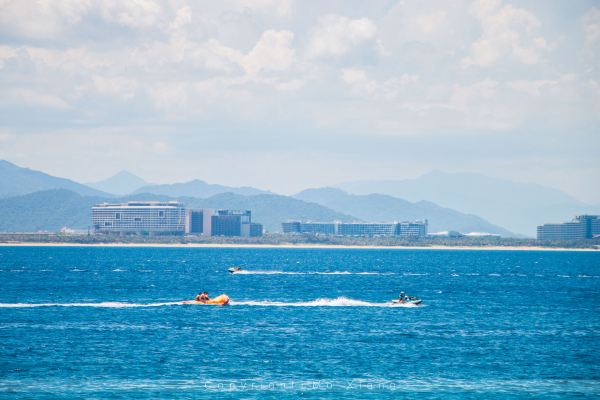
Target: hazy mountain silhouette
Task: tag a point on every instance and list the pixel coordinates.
(121, 183)
(520, 207)
(197, 188)
(50, 210)
(385, 208)
(15, 180)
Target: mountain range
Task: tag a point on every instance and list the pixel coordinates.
(15, 181)
(197, 188)
(50, 210)
(519, 207)
(379, 207)
(33, 200)
(122, 183)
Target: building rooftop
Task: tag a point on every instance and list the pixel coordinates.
(142, 204)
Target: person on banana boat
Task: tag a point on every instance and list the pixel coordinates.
(202, 297)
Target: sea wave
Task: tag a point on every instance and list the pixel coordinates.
(369, 387)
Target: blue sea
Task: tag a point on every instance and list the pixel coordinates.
(89, 322)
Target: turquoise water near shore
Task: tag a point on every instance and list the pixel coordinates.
(311, 323)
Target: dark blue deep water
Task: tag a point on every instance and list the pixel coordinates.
(108, 323)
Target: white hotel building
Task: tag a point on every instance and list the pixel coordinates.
(139, 216)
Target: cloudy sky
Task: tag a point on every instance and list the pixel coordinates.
(288, 94)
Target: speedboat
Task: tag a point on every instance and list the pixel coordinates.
(220, 300)
(233, 270)
(408, 300)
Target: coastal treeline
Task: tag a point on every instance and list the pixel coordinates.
(296, 239)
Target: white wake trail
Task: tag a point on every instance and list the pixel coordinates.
(103, 304)
(275, 272)
(321, 302)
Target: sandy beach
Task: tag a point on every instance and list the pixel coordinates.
(294, 246)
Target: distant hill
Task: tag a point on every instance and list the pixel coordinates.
(378, 207)
(15, 181)
(47, 210)
(268, 209)
(520, 207)
(122, 183)
(197, 188)
(52, 209)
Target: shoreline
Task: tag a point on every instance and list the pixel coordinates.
(293, 246)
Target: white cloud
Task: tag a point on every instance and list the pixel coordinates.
(72, 60)
(119, 87)
(417, 30)
(359, 81)
(41, 19)
(466, 95)
(591, 28)
(32, 98)
(531, 87)
(266, 66)
(336, 35)
(182, 19)
(136, 14)
(272, 52)
(429, 23)
(507, 32)
(483, 106)
(391, 89)
(538, 87)
(354, 76)
(218, 57)
(281, 8)
(172, 97)
(7, 53)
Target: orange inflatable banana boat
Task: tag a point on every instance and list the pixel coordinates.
(220, 300)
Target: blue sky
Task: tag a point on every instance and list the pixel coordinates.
(288, 94)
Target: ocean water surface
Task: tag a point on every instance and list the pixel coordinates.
(91, 322)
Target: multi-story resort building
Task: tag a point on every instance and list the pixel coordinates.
(405, 229)
(581, 227)
(328, 228)
(139, 216)
(231, 223)
(154, 217)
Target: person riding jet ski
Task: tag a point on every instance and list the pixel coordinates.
(403, 298)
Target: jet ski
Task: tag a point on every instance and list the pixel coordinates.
(408, 300)
(233, 270)
(221, 300)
